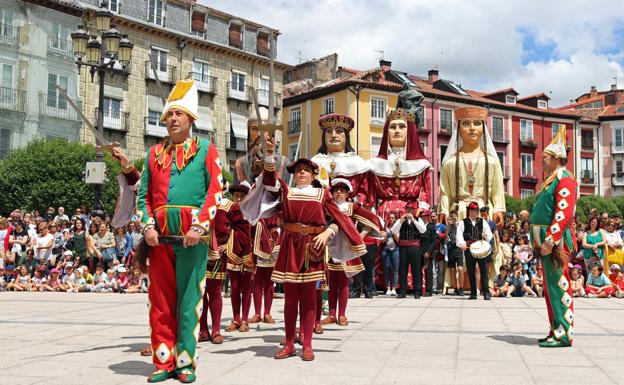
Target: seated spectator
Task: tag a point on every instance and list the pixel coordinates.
(517, 283)
(615, 244)
(86, 275)
(59, 241)
(123, 244)
(22, 281)
(538, 281)
(135, 281)
(68, 278)
(598, 284)
(18, 241)
(501, 283)
(577, 282)
(614, 272)
(53, 283)
(106, 283)
(506, 248)
(39, 280)
(121, 280)
(104, 242)
(3, 280)
(618, 283)
(594, 244)
(42, 245)
(523, 252)
(80, 283)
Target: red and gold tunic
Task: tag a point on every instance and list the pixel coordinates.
(358, 214)
(308, 206)
(265, 236)
(233, 233)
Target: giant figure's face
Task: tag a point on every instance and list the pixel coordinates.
(254, 138)
(471, 131)
(335, 139)
(397, 133)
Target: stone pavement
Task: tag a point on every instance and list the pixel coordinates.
(59, 338)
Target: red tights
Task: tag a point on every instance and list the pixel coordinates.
(338, 293)
(262, 284)
(294, 294)
(214, 301)
(240, 282)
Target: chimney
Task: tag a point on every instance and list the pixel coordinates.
(386, 65)
(433, 75)
(593, 92)
(613, 87)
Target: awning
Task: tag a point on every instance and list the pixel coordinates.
(238, 125)
(113, 92)
(204, 120)
(154, 103)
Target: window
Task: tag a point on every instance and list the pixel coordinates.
(292, 151)
(619, 168)
(55, 100)
(423, 145)
(263, 91)
(294, 123)
(159, 61)
(526, 130)
(587, 140)
(153, 119)
(59, 38)
(198, 24)
(443, 149)
(328, 106)
(112, 5)
(378, 110)
(526, 193)
(555, 129)
(526, 166)
(446, 119)
(510, 99)
(501, 160)
(587, 170)
(619, 138)
(375, 145)
(498, 129)
(201, 71)
(112, 113)
(155, 11)
(6, 84)
(238, 82)
(542, 104)
(236, 34)
(6, 24)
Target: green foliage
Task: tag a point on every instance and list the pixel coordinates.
(585, 203)
(50, 173)
(138, 163)
(227, 178)
(512, 204)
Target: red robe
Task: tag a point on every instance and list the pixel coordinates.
(232, 230)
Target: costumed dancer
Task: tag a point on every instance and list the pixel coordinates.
(301, 261)
(551, 218)
(233, 235)
(339, 272)
(471, 172)
(181, 187)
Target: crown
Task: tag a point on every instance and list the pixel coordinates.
(476, 113)
(336, 121)
(401, 114)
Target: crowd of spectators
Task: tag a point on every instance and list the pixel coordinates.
(53, 252)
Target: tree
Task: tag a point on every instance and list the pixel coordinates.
(50, 173)
(512, 204)
(585, 203)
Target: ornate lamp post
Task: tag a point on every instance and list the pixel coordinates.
(100, 56)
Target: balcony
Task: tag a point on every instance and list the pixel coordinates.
(116, 120)
(56, 48)
(238, 93)
(506, 172)
(587, 147)
(12, 99)
(446, 128)
(294, 127)
(617, 179)
(9, 35)
(528, 142)
(615, 149)
(205, 83)
(500, 136)
(166, 74)
(54, 106)
(263, 98)
(528, 178)
(153, 127)
(587, 177)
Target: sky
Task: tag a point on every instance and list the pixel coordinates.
(558, 47)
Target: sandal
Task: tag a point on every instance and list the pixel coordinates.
(146, 351)
(343, 321)
(268, 319)
(233, 327)
(216, 339)
(255, 319)
(330, 319)
(244, 327)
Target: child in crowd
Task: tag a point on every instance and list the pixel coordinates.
(22, 281)
(506, 248)
(614, 272)
(524, 252)
(107, 282)
(80, 283)
(501, 283)
(3, 281)
(455, 255)
(577, 282)
(618, 283)
(53, 283)
(68, 278)
(39, 280)
(517, 283)
(87, 275)
(121, 280)
(598, 284)
(538, 281)
(134, 281)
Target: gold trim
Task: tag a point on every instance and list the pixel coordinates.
(279, 276)
(174, 207)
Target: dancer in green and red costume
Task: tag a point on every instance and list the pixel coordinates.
(181, 187)
(551, 218)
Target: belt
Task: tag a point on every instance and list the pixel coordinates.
(302, 229)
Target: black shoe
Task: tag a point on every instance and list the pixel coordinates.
(417, 296)
(472, 297)
(456, 292)
(461, 292)
(400, 296)
(428, 294)
(487, 297)
(354, 295)
(367, 295)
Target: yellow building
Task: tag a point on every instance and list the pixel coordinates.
(365, 96)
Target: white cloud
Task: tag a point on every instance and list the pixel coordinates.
(478, 44)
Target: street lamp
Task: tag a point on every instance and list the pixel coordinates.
(100, 56)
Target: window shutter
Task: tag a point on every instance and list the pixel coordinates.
(198, 21)
(263, 44)
(236, 35)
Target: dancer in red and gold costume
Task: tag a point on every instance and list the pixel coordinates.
(301, 261)
(181, 186)
(265, 234)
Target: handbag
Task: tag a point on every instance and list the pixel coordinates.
(314, 254)
(108, 254)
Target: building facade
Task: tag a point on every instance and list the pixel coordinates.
(520, 127)
(227, 56)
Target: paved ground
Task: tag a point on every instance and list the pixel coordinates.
(58, 338)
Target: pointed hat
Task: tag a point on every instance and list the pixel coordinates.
(557, 146)
(183, 97)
